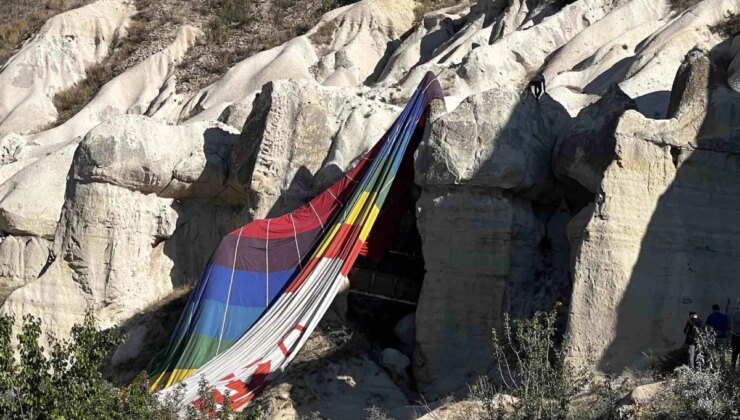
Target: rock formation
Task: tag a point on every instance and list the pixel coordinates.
(614, 192)
(55, 59)
(658, 241)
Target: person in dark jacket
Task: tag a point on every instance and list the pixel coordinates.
(720, 324)
(693, 325)
(537, 85)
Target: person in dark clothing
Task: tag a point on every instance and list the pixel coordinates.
(734, 317)
(720, 324)
(693, 325)
(537, 85)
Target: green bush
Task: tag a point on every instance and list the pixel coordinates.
(711, 390)
(226, 14)
(65, 382)
(533, 368)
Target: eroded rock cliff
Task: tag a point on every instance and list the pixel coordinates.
(612, 193)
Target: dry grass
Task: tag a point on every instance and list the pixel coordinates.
(729, 28)
(71, 101)
(227, 14)
(324, 34)
(237, 29)
(21, 18)
(681, 5)
(426, 6)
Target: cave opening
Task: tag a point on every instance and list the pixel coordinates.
(386, 279)
(383, 292)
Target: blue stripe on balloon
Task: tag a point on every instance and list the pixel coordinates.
(239, 319)
(248, 287)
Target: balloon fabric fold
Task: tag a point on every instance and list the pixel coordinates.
(269, 282)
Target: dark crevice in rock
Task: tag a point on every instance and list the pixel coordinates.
(675, 153)
(576, 195)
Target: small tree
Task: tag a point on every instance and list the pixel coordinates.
(534, 369)
(65, 382)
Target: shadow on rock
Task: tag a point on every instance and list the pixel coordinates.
(684, 204)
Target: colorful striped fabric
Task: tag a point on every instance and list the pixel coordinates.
(270, 282)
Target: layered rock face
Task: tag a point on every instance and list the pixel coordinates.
(121, 204)
(613, 192)
(35, 166)
(299, 139)
(483, 171)
(659, 240)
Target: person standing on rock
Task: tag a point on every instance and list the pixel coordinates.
(734, 318)
(537, 85)
(693, 325)
(720, 324)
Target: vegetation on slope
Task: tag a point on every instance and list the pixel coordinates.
(19, 19)
(64, 381)
(235, 30)
(531, 366)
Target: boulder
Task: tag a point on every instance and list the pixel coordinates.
(338, 383)
(395, 361)
(492, 140)
(479, 168)
(123, 241)
(405, 331)
(586, 148)
(644, 394)
(22, 259)
(32, 198)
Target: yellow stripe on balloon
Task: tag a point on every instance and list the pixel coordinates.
(167, 379)
(368, 223)
(357, 208)
(327, 239)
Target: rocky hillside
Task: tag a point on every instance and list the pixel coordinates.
(615, 192)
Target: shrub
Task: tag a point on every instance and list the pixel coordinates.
(376, 413)
(65, 381)
(70, 101)
(711, 390)
(607, 402)
(226, 14)
(533, 368)
(729, 27)
(232, 11)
